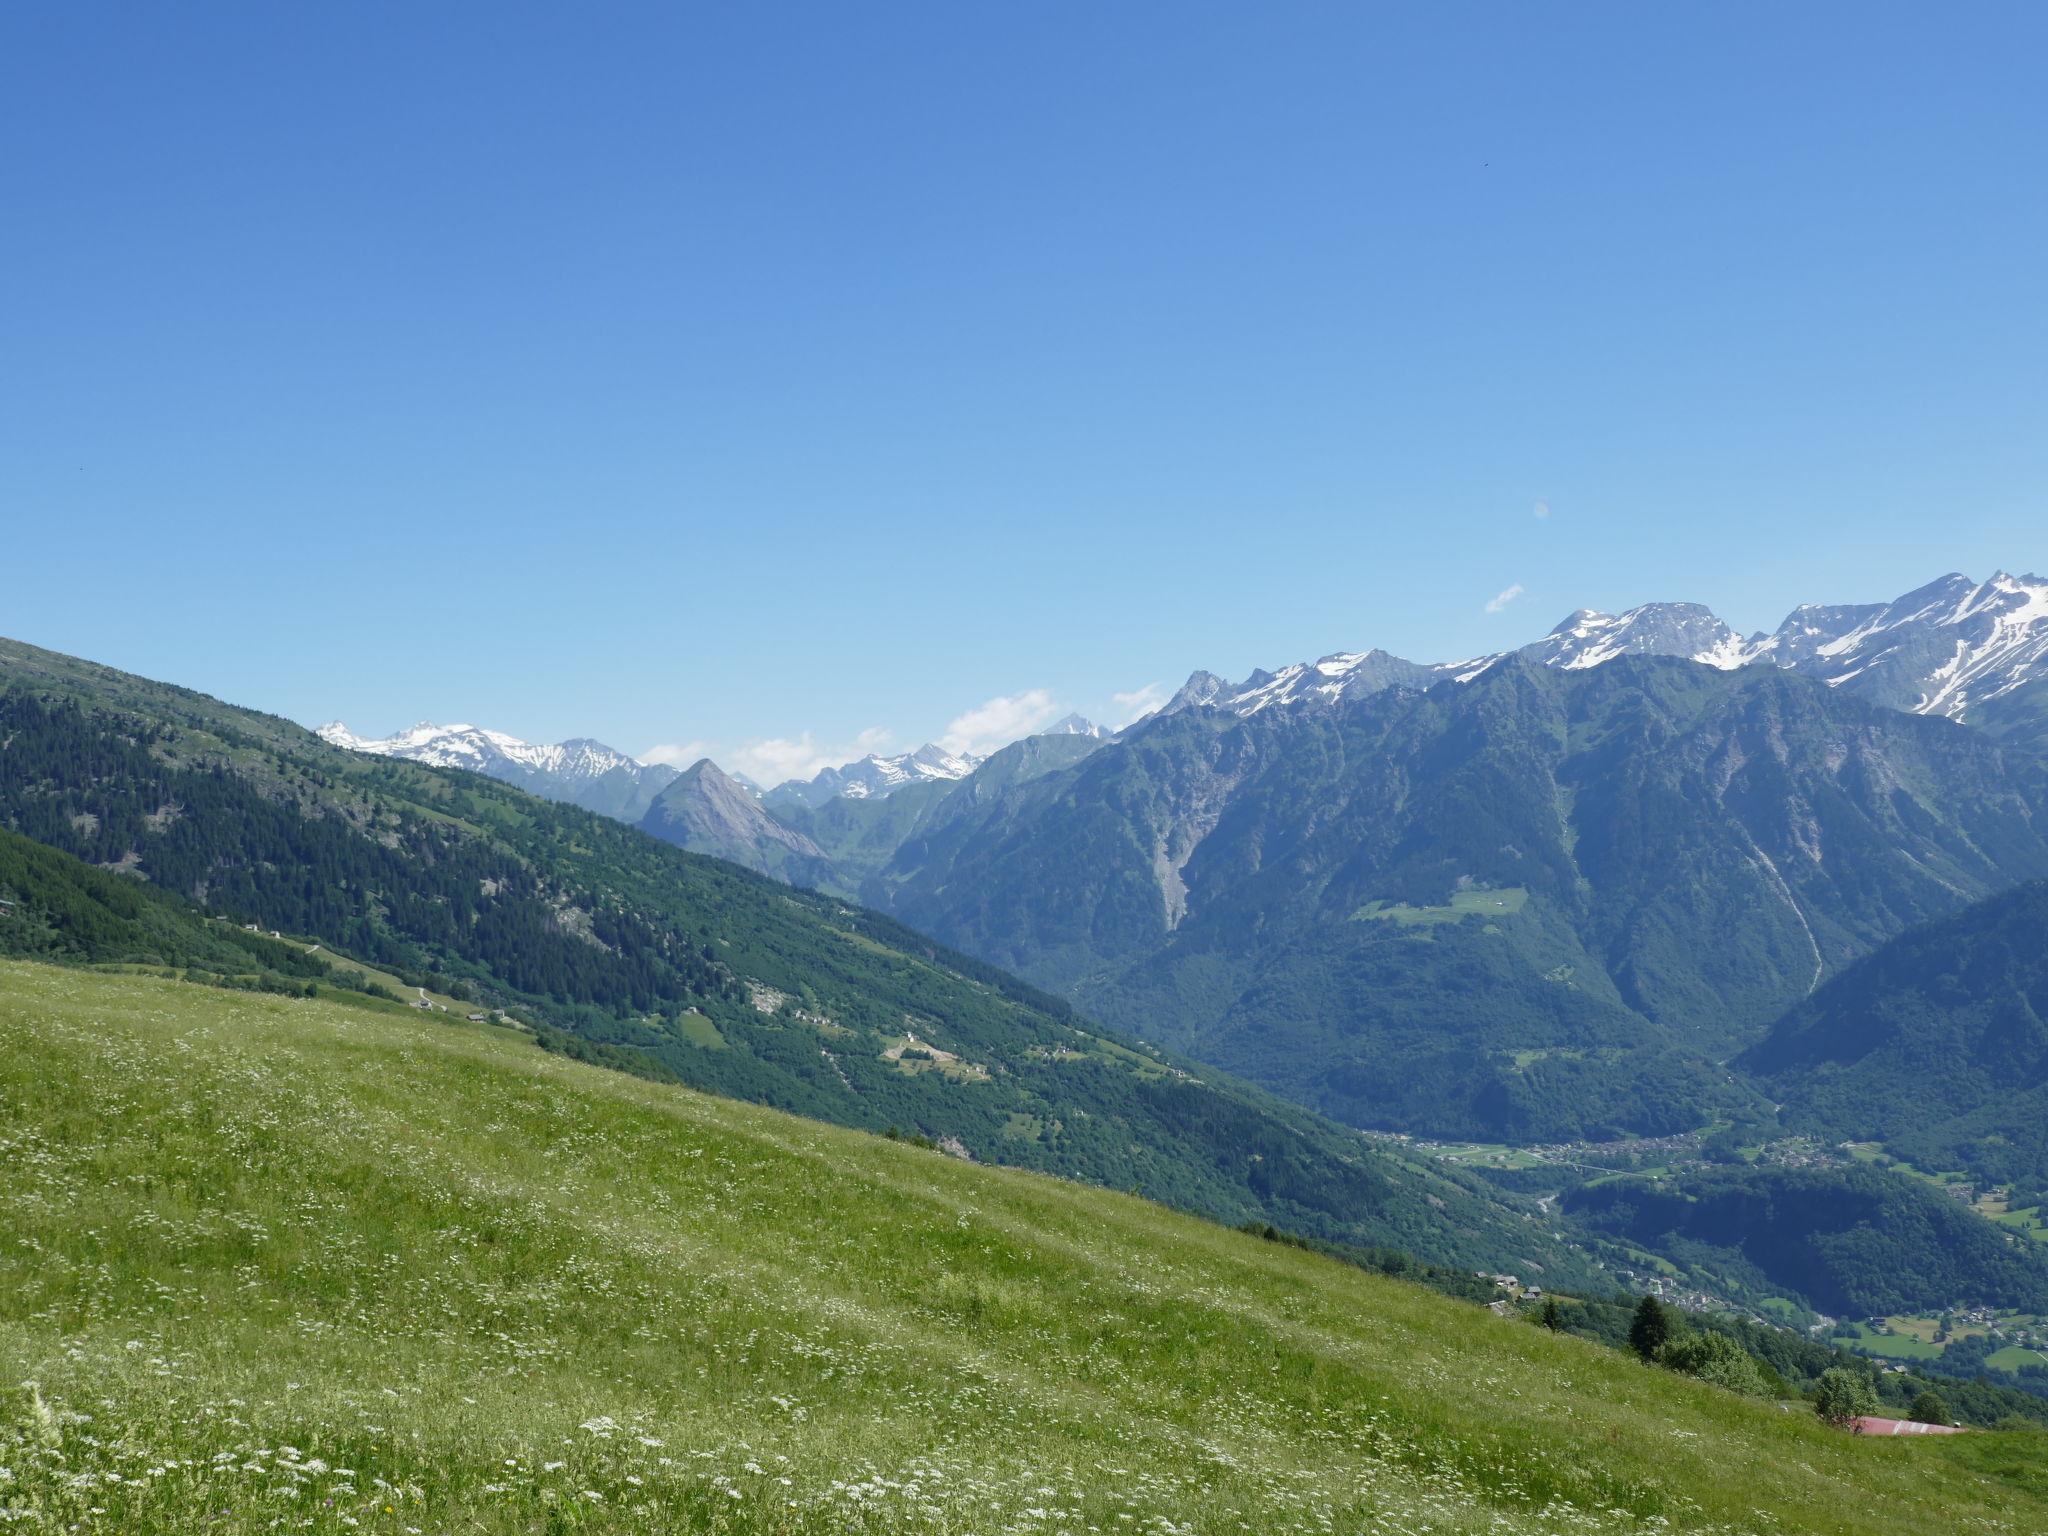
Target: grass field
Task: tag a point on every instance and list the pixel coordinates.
(2014, 1356)
(1893, 1346)
(1483, 1155)
(1463, 904)
(2028, 1221)
(276, 1264)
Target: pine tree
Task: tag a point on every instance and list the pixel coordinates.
(1651, 1329)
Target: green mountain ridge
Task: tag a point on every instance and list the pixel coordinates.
(728, 980)
(1849, 1241)
(1690, 852)
(1935, 1045)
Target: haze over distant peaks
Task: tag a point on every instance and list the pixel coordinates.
(1967, 650)
(874, 776)
(1077, 725)
(709, 811)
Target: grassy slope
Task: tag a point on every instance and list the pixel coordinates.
(260, 1241)
(389, 859)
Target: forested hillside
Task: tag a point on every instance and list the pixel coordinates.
(52, 907)
(1936, 1045)
(724, 978)
(1847, 1240)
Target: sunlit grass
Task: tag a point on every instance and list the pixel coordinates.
(281, 1265)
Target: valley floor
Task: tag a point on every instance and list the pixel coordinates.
(270, 1263)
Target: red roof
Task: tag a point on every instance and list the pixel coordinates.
(1873, 1426)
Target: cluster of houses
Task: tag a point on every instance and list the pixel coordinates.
(428, 1005)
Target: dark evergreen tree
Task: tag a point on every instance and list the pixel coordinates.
(1652, 1329)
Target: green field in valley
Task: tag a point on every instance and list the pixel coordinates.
(1463, 904)
(274, 1263)
(1893, 1346)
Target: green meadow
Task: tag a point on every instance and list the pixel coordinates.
(1463, 904)
(271, 1263)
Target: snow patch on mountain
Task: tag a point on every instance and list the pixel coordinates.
(1947, 648)
(874, 776)
(582, 771)
(1588, 639)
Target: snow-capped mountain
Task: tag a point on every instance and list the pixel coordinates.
(1656, 629)
(1078, 725)
(1968, 650)
(1346, 674)
(873, 777)
(584, 772)
(1953, 647)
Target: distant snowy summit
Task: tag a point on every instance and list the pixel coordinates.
(478, 749)
(1963, 649)
(1967, 650)
(604, 779)
(1691, 630)
(1953, 647)
(873, 777)
(581, 771)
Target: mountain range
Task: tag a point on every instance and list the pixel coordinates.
(1290, 875)
(385, 876)
(582, 772)
(1643, 877)
(1967, 650)
(876, 777)
(603, 779)
(1538, 905)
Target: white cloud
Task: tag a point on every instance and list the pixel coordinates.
(1542, 511)
(676, 754)
(1138, 703)
(1501, 600)
(1000, 721)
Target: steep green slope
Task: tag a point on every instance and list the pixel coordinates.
(724, 978)
(276, 1264)
(1674, 855)
(1936, 1045)
(52, 907)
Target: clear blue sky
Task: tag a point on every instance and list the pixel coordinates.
(679, 374)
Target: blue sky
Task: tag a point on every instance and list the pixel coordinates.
(749, 374)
